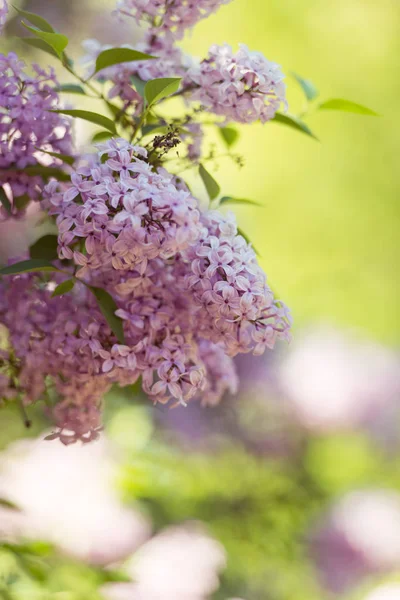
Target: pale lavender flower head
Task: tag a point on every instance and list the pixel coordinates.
(27, 126)
(360, 536)
(171, 19)
(243, 87)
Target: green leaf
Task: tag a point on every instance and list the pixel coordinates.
(70, 88)
(293, 122)
(45, 172)
(57, 41)
(139, 84)
(309, 89)
(21, 202)
(232, 200)
(108, 307)
(5, 201)
(100, 136)
(246, 237)
(347, 106)
(89, 116)
(229, 135)
(69, 160)
(64, 287)
(28, 266)
(36, 20)
(7, 504)
(211, 185)
(40, 44)
(115, 56)
(157, 89)
(45, 248)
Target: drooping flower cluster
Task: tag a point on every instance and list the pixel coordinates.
(188, 289)
(3, 13)
(242, 87)
(27, 126)
(182, 289)
(169, 18)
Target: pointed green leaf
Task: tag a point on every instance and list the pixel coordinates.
(45, 248)
(347, 106)
(28, 266)
(40, 45)
(231, 200)
(157, 89)
(246, 237)
(211, 185)
(100, 136)
(5, 201)
(108, 307)
(294, 122)
(71, 88)
(229, 135)
(89, 116)
(69, 160)
(57, 41)
(8, 504)
(309, 89)
(64, 287)
(139, 84)
(115, 56)
(36, 20)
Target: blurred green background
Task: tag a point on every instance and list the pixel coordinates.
(328, 236)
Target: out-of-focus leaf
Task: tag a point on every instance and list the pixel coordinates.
(36, 20)
(45, 248)
(100, 136)
(229, 135)
(115, 56)
(21, 202)
(294, 122)
(57, 41)
(139, 84)
(211, 185)
(70, 88)
(5, 201)
(347, 106)
(69, 160)
(45, 172)
(309, 89)
(28, 266)
(64, 287)
(108, 307)
(40, 45)
(92, 117)
(246, 237)
(7, 504)
(157, 89)
(232, 200)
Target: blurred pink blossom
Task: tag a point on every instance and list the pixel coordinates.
(332, 380)
(180, 563)
(66, 497)
(361, 535)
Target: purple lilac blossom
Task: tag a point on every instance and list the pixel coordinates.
(188, 289)
(169, 18)
(242, 87)
(27, 126)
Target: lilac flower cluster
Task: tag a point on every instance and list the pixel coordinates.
(3, 13)
(27, 126)
(242, 87)
(169, 18)
(188, 289)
